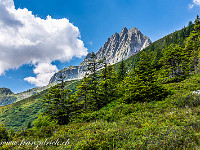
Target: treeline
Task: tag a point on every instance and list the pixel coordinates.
(100, 88)
(179, 36)
(179, 61)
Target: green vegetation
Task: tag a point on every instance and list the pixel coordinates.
(58, 104)
(8, 97)
(144, 102)
(142, 85)
(18, 115)
(173, 123)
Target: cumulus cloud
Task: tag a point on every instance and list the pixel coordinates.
(28, 39)
(196, 2)
(43, 71)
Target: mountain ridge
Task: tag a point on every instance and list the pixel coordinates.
(8, 97)
(119, 46)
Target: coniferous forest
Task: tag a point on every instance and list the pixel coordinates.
(148, 101)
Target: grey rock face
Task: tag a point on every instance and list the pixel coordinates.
(123, 45)
(70, 73)
(119, 46)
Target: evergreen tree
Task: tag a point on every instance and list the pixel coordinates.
(193, 46)
(145, 69)
(122, 70)
(190, 28)
(141, 84)
(107, 85)
(82, 92)
(93, 80)
(175, 61)
(58, 104)
(62, 78)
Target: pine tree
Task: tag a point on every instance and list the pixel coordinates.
(93, 79)
(62, 78)
(107, 85)
(141, 84)
(122, 71)
(175, 61)
(190, 28)
(58, 104)
(193, 46)
(82, 92)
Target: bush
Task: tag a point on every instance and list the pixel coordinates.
(44, 126)
(3, 133)
(188, 100)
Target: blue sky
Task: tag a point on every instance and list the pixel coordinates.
(93, 20)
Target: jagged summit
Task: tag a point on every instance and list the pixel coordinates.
(123, 45)
(119, 46)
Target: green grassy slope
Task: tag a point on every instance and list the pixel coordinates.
(18, 115)
(6, 99)
(173, 123)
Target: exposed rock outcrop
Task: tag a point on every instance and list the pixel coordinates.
(70, 73)
(119, 46)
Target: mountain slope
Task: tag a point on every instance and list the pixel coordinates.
(119, 46)
(177, 37)
(18, 114)
(27, 105)
(8, 97)
(170, 123)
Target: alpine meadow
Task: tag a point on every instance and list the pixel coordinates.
(131, 94)
(148, 101)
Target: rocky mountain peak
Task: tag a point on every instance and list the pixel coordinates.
(119, 46)
(123, 45)
(124, 30)
(89, 55)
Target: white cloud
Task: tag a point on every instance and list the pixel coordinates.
(27, 39)
(43, 71)
(191, 6)
(196, 2)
